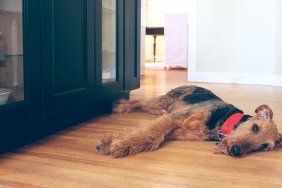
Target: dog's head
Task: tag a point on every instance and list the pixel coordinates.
(258, 133)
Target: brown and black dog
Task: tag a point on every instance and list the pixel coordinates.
(194, 114)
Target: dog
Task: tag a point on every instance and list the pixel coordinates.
(191, 113)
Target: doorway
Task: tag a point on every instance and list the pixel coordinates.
(164, 34)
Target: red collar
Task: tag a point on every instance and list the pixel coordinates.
(230, 122)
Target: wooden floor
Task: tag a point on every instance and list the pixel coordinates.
(68, 159)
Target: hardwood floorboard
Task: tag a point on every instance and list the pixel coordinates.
(68, 158)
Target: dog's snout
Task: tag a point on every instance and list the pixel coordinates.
(235, 151)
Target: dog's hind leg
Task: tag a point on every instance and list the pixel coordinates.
(157, 106)
(164, 104)
(146, 139)
(126, 106)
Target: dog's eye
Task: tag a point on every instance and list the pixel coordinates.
(255, 128)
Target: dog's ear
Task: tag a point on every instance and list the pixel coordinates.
(264, 111)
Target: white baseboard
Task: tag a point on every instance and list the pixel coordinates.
(277, 81)
(236, 78)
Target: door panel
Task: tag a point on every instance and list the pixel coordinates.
(19, 69)
(11, 52)
(69, 42)
(68, 47)
(109, 40)
(109, 47)
(20, 60)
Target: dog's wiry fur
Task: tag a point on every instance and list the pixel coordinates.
(194, 114)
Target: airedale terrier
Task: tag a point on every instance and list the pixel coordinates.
(194, 114)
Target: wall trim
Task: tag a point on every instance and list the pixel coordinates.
(277, 80)
(236, 78)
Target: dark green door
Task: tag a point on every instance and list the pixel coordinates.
(67, 54)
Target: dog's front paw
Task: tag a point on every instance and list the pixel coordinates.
(220, 150)
(221, 147)
(118, 149)
(103, 146)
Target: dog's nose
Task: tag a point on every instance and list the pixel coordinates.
(235, 151)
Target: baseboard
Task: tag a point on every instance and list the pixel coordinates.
(236, 78)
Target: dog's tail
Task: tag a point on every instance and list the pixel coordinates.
(145, 139)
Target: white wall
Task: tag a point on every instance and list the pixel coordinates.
(158, 8)
(175, 6)
(236, 36)
(235, 42)
(155, 13)
(278, 67)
